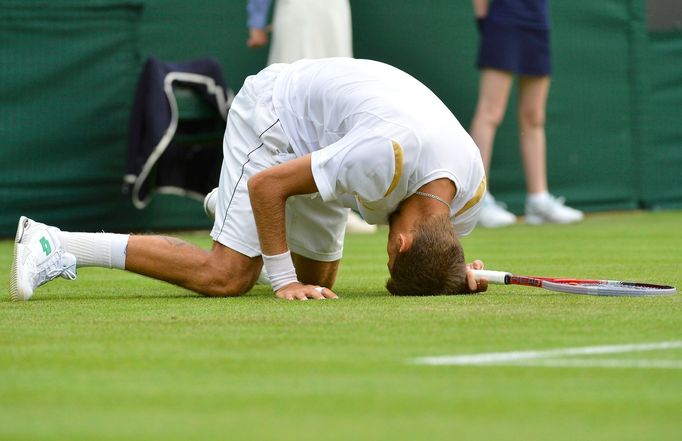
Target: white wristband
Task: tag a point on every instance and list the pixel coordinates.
(280, 269)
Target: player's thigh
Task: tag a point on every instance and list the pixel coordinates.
(314, 272)
(254, 141)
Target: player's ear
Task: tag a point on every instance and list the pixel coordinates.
(404, 242)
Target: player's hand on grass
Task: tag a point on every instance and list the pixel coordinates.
(476, 285)
(298, 291)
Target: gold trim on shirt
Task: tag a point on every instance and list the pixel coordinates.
(480, 191)
(398, 154)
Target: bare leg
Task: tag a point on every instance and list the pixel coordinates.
(314, 272)
(533, 92)
(493, 96)
(219, 272)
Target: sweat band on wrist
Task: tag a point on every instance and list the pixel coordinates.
(280, 269)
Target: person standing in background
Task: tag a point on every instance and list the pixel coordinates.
(515, 41)
(305, 29)
(301, 29)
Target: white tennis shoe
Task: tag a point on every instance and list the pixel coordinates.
(551, 210)
(209, 203)
(357, 225)
(494, 214)
(38, 258)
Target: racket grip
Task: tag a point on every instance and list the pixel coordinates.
(495, 277)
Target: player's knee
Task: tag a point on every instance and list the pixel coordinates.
(217, 279)
(227, 285)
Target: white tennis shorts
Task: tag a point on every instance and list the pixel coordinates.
(254, 141)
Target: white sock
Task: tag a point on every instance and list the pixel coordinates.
(538, 198)
(105, 250)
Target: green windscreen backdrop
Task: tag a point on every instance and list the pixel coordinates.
(68, 71)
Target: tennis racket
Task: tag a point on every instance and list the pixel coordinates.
(578, 286)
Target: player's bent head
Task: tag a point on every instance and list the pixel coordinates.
(434, 263)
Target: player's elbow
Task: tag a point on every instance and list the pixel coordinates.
(258, 184)
(259, 181)
(264, 186)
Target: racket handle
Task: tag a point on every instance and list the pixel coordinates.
(495, 277)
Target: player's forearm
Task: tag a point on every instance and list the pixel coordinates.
(269, 191)
(268, 202)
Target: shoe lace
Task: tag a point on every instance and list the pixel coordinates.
(557, 204)
(52, 268)
(559, 200)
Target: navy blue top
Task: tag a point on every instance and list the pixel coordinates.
(525, 13)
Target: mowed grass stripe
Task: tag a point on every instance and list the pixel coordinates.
(116, 356)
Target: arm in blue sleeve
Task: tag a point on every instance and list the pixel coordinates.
(257, 12)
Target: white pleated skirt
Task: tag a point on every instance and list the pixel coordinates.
(310, 29)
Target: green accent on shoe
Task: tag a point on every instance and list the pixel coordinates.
(47, 248)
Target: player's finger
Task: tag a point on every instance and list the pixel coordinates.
(476, 264)
(326, 293)
(476, 285)
(283, 295)
(300, 296)
(471, 281)
(329, 294)
(316, 293)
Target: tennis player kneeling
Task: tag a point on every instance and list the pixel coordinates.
(304, 143)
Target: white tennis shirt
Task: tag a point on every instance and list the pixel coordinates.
(376, 135)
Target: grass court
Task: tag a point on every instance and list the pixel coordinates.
(115, 356)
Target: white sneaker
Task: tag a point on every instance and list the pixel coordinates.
(209, 203)
(38, 258)
(357, 225)
(551, 210)
(494, 214)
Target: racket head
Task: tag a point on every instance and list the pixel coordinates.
(607, 288)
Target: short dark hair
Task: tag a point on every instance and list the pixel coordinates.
(434, 263)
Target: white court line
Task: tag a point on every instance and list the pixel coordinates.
(552, 357)
(617, 363)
